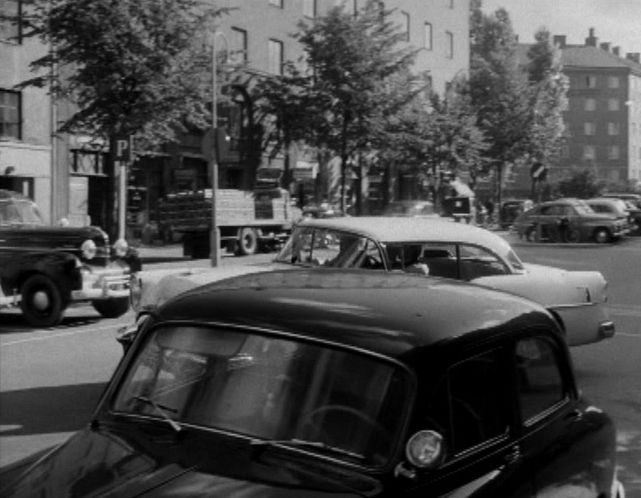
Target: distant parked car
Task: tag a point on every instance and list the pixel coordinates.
(45, 269)
(411, 208)
(570, 219)
(633, 205)
(337, 383)
(614, 207)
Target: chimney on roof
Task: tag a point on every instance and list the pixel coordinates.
(605, 46)
(591, 40)
(634, 56)
(559, 40)
(616, 51)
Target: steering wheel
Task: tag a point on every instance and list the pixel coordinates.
(311, 418)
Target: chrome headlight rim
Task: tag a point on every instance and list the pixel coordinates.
(88, 249)
(120, 248)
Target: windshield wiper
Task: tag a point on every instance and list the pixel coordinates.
(161, 410)
(304, 443)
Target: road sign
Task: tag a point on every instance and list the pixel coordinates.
(123, 148)
(538, 171)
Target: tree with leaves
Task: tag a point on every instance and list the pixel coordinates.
(127, 67)
(498, 88)
(353, 76)
(548, 86)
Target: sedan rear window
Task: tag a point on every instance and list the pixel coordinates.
(340, 402)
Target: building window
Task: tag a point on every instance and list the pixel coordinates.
(565, 151)
(589, 152)
(589, 128)
(449, 38)
(10, 115)
(405, 25)
(613, 105)
(427, 33)
(590, 105)
(276, 3)
(10, 22)
(275, 57)
(238, 45)
(613, 82)
(590, 81)
(613, 128)
(309, 8)
(614, 152)
(451, 4)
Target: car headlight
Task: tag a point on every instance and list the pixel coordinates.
(88, 249)
(120, 248)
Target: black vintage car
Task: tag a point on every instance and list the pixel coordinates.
(318, 383)
(44, 269)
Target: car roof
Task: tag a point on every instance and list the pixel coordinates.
(394, 229)
(382, 312)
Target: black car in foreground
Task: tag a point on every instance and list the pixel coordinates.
(45, 269)
(318, 383)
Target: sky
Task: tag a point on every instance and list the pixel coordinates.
(614, 21)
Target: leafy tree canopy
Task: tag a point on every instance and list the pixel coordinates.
(126, 66)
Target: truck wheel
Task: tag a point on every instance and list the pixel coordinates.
(41, 301)
(247, 241)
(602, 235)
(111, 308)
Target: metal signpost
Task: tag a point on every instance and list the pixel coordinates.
(124, 156)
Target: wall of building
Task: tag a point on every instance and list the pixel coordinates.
(27, 159)
(633, 108)
(593, 120)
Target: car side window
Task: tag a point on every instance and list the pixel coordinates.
(539, 378)
(476, 262)
(471, 404)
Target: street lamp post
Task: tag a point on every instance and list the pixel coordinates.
(215, 231)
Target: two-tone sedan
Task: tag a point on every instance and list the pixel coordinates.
(425, 246)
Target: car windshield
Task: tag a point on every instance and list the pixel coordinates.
(332, 401)
(330, 248)
(19, 212)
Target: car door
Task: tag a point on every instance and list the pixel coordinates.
(565, 443)
(472, 407)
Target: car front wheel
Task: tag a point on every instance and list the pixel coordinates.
(111, 308)
(41, 301)
(602, 236)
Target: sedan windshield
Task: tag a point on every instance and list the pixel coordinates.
(273, 390)
(330, 248)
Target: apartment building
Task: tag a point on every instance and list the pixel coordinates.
(25, 116)
(603, 119)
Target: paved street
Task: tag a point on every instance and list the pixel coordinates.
(51, 379)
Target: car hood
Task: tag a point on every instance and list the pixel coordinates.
(116, 464)
(549, 286)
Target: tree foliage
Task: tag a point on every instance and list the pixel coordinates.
(498, 87)
(126, 66)
(581, 183)
(548, 87)
(352, 79)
